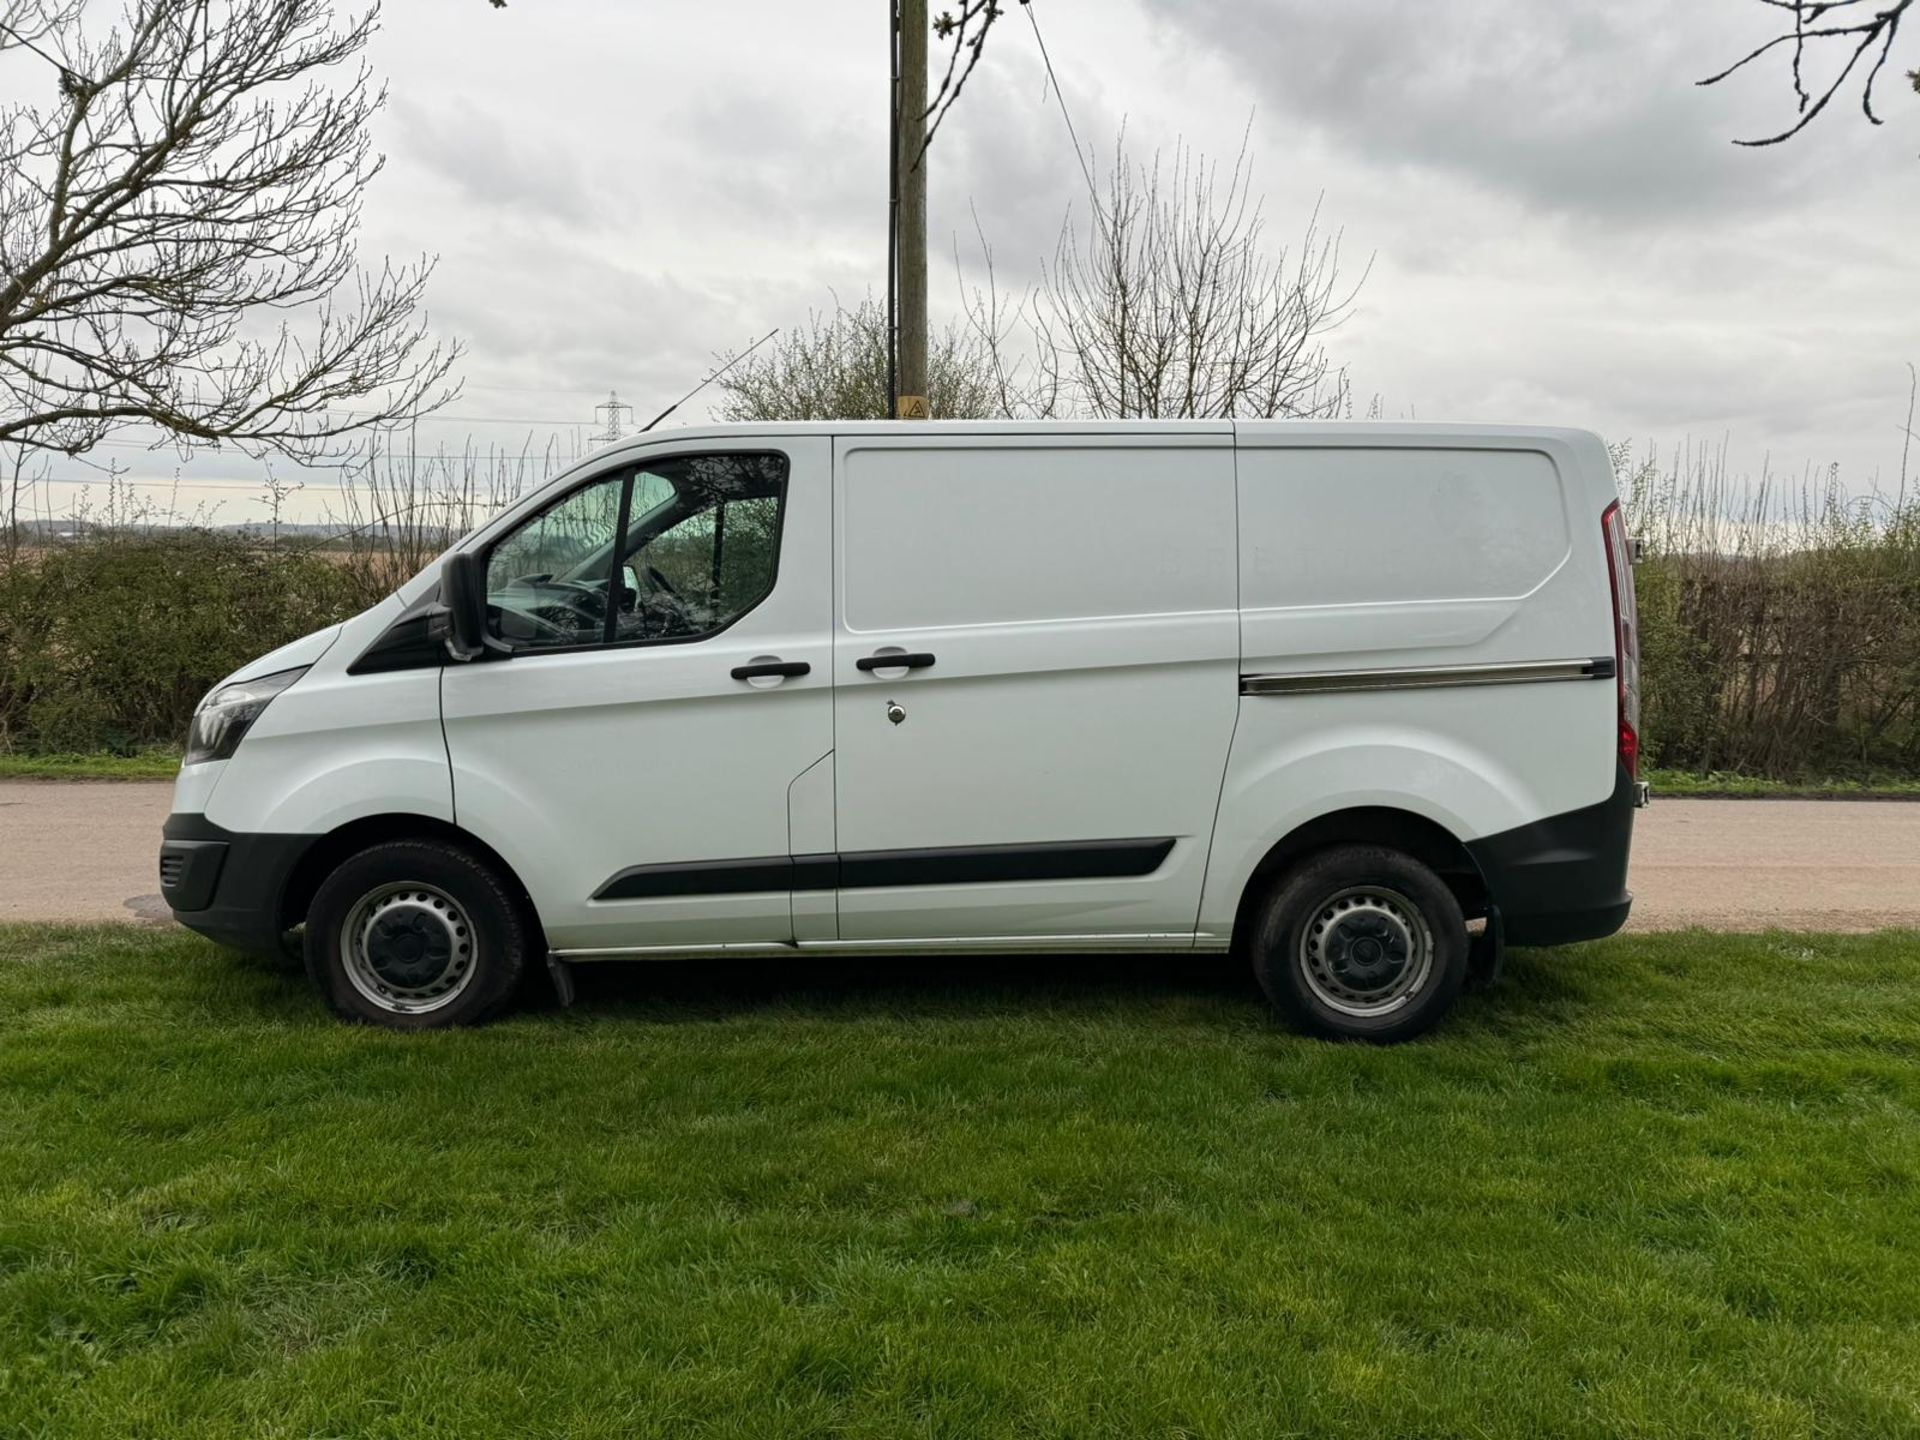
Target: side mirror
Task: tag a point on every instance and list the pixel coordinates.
(463, 596)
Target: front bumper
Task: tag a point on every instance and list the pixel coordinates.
(230, 887)
(1564, 878)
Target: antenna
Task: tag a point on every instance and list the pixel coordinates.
(709, 380)
(613, 405)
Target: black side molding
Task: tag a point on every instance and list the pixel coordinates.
(703, 877)
(993, 864)
(880, 869)
(816, 872)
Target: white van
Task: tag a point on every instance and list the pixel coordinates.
(1319, 693)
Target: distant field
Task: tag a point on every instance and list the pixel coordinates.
(1656, 1186)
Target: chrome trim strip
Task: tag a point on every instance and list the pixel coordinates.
(1435, 677)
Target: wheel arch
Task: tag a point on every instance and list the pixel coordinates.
(1426, 840)
(329, 850)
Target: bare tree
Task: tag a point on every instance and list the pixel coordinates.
(186, 175)
(836, 369)
(1856, 30)
(1171, 304)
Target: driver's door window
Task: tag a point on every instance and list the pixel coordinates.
(547, 581)
(699, 550)
(704, 540)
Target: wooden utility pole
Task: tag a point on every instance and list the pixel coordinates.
(911, 214)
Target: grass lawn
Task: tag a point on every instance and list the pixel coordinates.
(147, 765)
(1721, 783)
(1657, 1186)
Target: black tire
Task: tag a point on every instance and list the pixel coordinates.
(472, 940)
(1361, 943)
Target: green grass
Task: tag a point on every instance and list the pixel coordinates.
(1719, 783)
(1656, 1186)
(146, 765)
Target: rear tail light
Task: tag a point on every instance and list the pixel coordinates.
(1626, 635)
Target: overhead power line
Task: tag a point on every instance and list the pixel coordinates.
(1060, 96)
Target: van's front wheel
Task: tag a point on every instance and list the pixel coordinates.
(1362, 943)
(415, 935)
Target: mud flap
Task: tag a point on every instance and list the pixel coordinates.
(562, 974)
(1487, 953)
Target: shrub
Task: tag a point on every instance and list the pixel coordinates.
(1780, 626)
(110, 642)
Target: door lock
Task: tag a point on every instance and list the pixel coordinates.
(894, 712)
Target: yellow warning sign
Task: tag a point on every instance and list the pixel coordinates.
(914, 407)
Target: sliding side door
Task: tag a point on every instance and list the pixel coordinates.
(1036, 672)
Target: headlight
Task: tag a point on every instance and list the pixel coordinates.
(225, 716)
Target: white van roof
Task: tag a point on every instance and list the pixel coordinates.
(1248, 432)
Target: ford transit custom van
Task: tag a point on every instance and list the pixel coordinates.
(1358, 701)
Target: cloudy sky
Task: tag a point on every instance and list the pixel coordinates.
(1559, 229)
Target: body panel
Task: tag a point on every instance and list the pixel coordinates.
(1475, 761)
(1398, 586)
(811, 832)
(1077, 595)
(577, 766)
(336, 747)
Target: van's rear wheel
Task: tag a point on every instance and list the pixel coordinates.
(415, 935)
(1361, 943)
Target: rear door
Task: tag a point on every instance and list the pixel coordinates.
(639, 773)
(1035, 679)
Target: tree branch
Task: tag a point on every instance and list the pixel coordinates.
(194, 169)
(1855, 28)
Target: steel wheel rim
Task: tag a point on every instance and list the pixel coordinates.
(1366, 951)
(409, 948)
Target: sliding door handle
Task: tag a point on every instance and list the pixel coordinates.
(772, 670)
(918, 660)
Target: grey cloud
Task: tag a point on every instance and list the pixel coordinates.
(767, 158)
(515, 171)
(1584, 109)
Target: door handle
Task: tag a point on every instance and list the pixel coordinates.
(919, 660)
(770, 669)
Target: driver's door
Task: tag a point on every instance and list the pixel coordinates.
(663, 684)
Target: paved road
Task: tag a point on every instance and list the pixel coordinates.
(77, 851)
